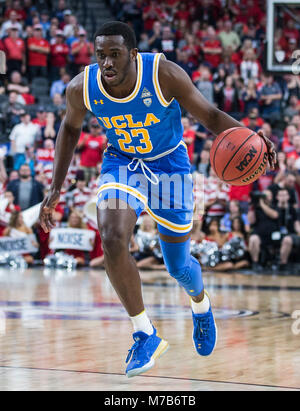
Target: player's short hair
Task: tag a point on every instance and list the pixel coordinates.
(117, 28)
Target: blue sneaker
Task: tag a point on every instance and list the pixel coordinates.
(144, 352)
(205, 332)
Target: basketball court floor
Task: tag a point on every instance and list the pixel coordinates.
(67, 331)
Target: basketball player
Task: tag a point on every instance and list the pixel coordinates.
(136, 97)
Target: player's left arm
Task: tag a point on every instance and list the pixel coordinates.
(175, 83)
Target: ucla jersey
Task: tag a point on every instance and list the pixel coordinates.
(143, 125)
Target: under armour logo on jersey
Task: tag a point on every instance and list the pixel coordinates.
(98, 102)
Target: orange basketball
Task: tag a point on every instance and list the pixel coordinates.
(239, 156)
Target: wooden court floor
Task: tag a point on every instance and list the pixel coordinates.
(68, 331)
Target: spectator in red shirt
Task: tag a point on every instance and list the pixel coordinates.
(212, 48)
(290, 31)
(18, 9)
(19, 85)
(91, 146)
(81, 193)
(81, 50)
(14, 48)
(151, 14)
(287, 142)
(58, 55)
(41, 118)
(296, 144)
(189, 137)
(38, 50)
(182, 13)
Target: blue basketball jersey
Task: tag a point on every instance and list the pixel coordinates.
(142, 125)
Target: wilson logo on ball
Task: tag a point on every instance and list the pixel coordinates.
(247, 159)
(260, 169)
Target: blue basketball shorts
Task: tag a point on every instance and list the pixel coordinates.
(161, 186)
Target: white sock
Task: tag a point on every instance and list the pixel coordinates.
(141, 322)
(202, 307)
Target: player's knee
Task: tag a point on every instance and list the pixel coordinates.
(114, 242)
(189, 277)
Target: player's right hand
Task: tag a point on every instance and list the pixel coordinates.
(46, 211)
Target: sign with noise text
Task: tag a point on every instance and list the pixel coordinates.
(72, 239)
(22, 245)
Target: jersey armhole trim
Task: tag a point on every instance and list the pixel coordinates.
(156, 84)
(86, 97)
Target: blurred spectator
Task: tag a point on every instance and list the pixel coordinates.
(41, 118)
(155, 36)
(204, 163)
(205, 86)
(14, 47)
(268, 132)
(17, 229)
(58, 103)
(45, 22)
(71, 27)
(75, 220)
(17, 7)
(189, 138)
(58, 55)
(168, 43)
(288, 182)
(5, 213)
(20, 85)
(296, 145)
(13, 20)
(293, 85)
(81, 193)
(91, 146)
(59, 10)
(59, 86)
(81, 50)
(214, 234)
(228, 37)
(263, 218)
(50, 130)
(184, 62)
(192, 49)
(270, 96)
(234, 210)
(26, 190)
(12, 109)
(290, 242)
(146, 239)
(250, 97)
(292, 108)
(227, 64)
(23, 135)
(151, 13)
(287, 141)
(216, 196)
(143, 44)
(38, 50)
(212, 48)
(229, 99)
(253, 120)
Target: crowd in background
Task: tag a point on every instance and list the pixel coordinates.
(221, 45)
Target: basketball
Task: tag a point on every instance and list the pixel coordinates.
(239, 156)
